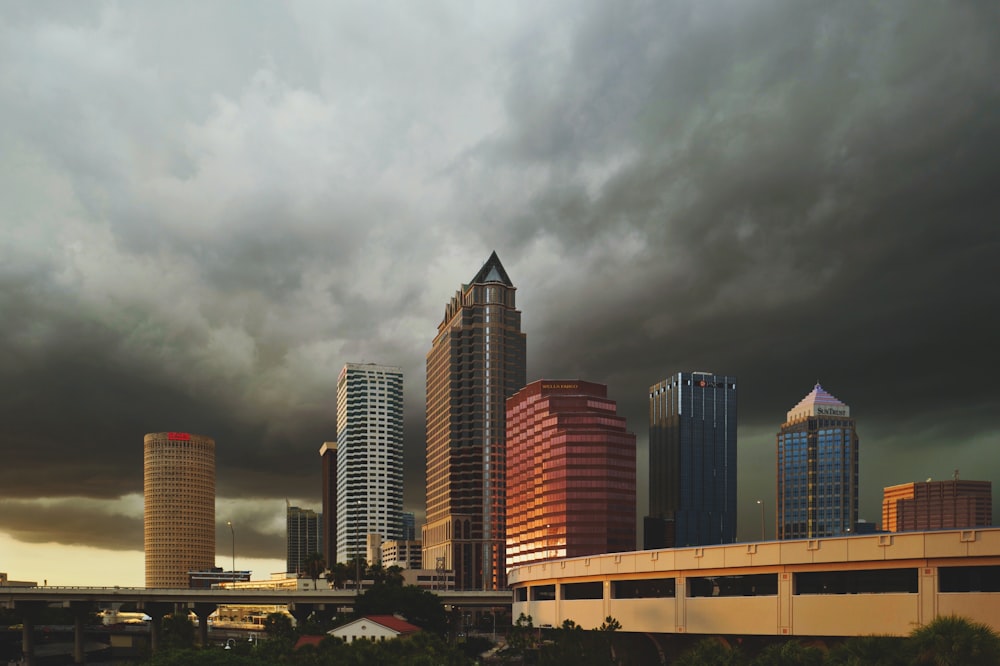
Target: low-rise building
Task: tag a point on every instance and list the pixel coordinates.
(937, 505)
(6, 582)
(374, 628)
(402, 554)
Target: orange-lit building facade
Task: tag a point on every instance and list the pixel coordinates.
(570, 473)
(179, 507)
(937, 505)
(476, 362)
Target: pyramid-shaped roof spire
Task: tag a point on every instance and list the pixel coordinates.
(818, 402)
(492, 271)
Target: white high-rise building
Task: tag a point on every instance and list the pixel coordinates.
(369, 456)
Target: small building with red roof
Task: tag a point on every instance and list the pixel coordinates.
(374, 628)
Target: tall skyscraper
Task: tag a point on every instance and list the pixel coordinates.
(692, 461)
(305, 537)
(328, 460)
(409, 523)
(570, 473)
(937, 505)
(369, 456)
(179, 507)
(817, 469)
(476, 362)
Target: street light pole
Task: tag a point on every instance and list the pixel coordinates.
(232, 531)
(761, 503)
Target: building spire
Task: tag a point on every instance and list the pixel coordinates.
(492, 271)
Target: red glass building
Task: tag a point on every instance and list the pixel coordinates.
(570, 473)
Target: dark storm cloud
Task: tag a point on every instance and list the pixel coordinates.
(198, 233)
(72, 523)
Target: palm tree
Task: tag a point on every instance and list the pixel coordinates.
(870, 651)
(955, 641)
(338, 575)
(394, 576)
(314, 565)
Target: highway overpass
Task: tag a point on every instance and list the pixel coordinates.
(845, 586)
(159, 602)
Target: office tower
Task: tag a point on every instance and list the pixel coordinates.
(692, 461)
(305, 537)
(369, 456)
(570, 473)
(409, 523)
(179, 507)
(817, 469)
(476, 362)
(328, 460)
(937, 505)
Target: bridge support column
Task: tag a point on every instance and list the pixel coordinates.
(203, 610)
(300, 612)
(29, 612)
(80, 610)
(156, 611)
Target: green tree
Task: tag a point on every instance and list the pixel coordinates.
(314, 565)
(955, 641)
(178, 631)
(790, 653)
(394, 576)
(712, 652)
(870, 651)
(521, 640)
(419, 607)
(338, 575)
(279, 625)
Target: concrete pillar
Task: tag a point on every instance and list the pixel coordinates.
(203, 610)
(300, 612)
(156, 611)
(28, 640)
(80, 610)
(28, 611)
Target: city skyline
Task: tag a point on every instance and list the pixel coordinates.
(208, 210)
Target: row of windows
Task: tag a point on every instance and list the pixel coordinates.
(865, 581)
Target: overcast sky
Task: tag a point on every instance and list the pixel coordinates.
(206, 209)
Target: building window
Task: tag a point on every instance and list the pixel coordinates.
(868, 581)
(655, 588)
(969, 579)
(592, 590)
(756, 585)
(543, 592)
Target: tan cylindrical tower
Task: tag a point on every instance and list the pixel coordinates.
(179, 513)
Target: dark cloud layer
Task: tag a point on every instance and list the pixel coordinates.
(767, 189)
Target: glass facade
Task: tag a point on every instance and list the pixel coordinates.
(817, 469)
(570, 473)
(692, 461)
(305, 537)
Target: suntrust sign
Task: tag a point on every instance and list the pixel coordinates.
(832, 411)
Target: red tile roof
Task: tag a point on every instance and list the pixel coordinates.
(308, 640)
(392, 622)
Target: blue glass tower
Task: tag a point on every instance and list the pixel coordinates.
(692, 461)
(817, 469)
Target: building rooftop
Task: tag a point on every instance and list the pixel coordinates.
(818, 402)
